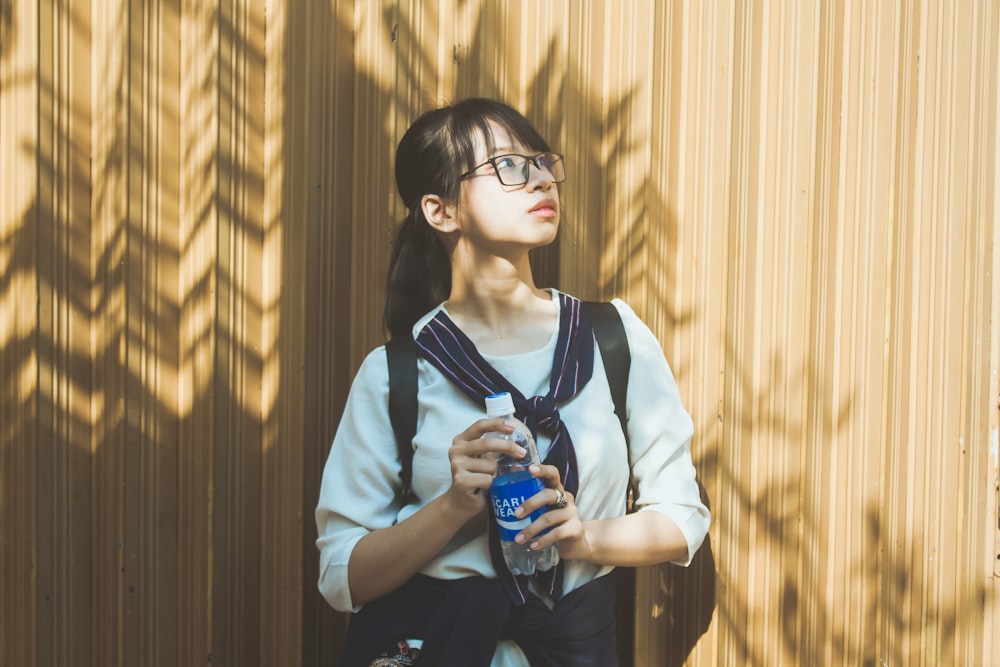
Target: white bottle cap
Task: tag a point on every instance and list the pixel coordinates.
(499, 405)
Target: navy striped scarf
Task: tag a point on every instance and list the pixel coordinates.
(445, 345)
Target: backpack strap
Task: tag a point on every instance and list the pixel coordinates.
(611, 339)
(401, 357)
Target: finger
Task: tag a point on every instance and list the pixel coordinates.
(547, 473)
(538, 539)
(473, 441)
(542, 541)
(483, 426)
(474, 465)
(547, 498)
(547, 529)
(485, 446)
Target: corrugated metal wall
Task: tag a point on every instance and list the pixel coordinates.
(195, 210)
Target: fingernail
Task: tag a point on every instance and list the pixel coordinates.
(534, 469)
(519, 512)
(519, 538)
(521, 452)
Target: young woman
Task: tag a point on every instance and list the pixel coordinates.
(481, 188)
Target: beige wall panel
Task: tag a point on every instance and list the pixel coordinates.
(282, 348)
(931, 480)
(108, 249)
(238, 483)
(986, 512)
(316, 165)
(63, 551)
(198, 224)
(148, 361)
(763, 451)
(20, 95)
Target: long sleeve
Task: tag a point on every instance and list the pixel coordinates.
(360, 479)
(660, 432)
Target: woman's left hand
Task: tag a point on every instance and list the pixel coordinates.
(566, 527)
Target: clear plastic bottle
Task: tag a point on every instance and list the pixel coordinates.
(512, 485)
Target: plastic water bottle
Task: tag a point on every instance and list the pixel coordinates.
(512, 485)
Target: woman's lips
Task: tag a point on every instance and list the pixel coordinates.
(545, 208)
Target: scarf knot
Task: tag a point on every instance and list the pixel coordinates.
(543, 411)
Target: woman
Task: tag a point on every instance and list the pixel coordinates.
(481, 189)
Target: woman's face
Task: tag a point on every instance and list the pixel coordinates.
(499, 218)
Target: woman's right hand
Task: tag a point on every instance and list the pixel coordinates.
(473, 463)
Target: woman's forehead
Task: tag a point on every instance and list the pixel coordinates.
(499, 141)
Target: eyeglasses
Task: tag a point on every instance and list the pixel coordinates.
(513, 169)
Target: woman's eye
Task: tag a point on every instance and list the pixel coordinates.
(504, 162)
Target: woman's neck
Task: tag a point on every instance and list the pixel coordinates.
(503, 314)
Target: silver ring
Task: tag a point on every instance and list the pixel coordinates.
(561, 501)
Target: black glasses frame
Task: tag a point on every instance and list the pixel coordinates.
(528, 160)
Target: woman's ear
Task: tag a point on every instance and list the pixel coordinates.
(440, 214)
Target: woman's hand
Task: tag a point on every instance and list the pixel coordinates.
(632, 540)
(473, 461)
(566, 527)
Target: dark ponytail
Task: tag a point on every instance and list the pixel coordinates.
(419, 274)
(431, 157)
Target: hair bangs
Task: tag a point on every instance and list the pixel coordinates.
(480, 118)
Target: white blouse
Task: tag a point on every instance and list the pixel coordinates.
(361, 477)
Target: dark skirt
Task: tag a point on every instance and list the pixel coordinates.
(461, 621)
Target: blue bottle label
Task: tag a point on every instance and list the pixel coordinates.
(508, 493)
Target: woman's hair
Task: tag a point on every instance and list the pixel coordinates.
(431, 157)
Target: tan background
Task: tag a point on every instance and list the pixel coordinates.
(195, 212)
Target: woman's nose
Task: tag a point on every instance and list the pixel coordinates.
(538, 178)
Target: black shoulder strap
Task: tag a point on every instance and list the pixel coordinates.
(401, 356)
(611, 339)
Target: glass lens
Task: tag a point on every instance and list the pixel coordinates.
(513, 169)
(553, 164)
